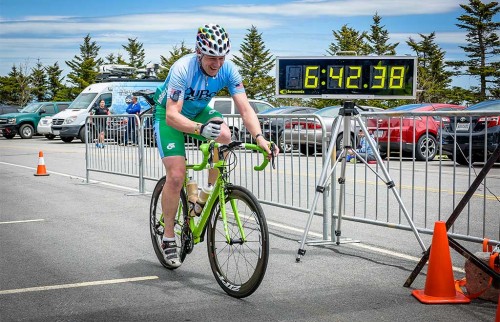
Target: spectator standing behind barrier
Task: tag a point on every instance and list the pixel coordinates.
(364, 149)
(133, 108)
(100, 124)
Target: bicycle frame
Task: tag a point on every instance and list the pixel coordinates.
(198, 224)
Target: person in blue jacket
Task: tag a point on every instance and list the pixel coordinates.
(133, 108)
(363, 148)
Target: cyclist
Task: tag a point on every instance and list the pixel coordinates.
(181, 107)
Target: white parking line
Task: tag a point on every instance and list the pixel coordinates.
(70, 176)
(85, 284)
(20, 221)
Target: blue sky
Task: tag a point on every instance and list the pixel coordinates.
(53, 30)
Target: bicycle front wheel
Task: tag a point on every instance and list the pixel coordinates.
(157, 226)
(239, 265)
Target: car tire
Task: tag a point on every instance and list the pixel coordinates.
(81, 134)
(67, 139)
(283, 146)
(340, 141)
(50, 136)
(307, 150)
(460, 159)
(426, 148)
(26, 131)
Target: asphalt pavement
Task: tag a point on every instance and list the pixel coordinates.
(71, 251)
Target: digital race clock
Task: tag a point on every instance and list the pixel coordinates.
(347, 77)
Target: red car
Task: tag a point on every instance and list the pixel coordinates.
(405, 131)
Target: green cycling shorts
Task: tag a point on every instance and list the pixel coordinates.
(171, 142)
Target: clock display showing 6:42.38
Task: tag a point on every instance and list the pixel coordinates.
(347, 77)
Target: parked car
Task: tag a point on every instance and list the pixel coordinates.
(226, 106)
(424, 141)
(4, 109)
(307, 134)
(463, 138)
(44, 127)
(25, 122)
(272, 128)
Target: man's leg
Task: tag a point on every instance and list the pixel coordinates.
(175, 169)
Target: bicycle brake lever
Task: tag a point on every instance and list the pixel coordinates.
(211, 154)
(273, 156)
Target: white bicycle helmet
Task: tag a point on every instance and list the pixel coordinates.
(213, 40)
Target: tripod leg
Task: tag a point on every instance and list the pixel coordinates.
(320, 187)
(390, 183)
(347, 145)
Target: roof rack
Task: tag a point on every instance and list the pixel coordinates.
(111, 72)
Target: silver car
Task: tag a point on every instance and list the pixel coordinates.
(306, 134)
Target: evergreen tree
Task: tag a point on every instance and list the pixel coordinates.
(39, 82)
(136, 53)
(483, 44)
(255, 64)
(110, 59)
(16, 87)
(349, 40)
(84, 67)
(433, 78)
(175, 54)
(378, 39)
(55, 87)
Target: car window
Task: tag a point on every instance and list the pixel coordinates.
(224, 107)
(486, 105)
(261, 107)
(49, 109)
(328, 112)
(62, 106)
(82, 101)
(107, 97)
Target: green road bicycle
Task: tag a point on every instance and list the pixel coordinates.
(232, 220)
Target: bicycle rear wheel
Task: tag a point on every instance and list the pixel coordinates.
(238, 266)
(157, 227)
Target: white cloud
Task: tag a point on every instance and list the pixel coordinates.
(347, 8)
(441, 37)
(136, 23)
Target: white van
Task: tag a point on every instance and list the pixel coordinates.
(70, 123)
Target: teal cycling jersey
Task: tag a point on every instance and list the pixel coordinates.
(186, 81)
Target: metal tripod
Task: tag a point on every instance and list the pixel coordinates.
(347, 113)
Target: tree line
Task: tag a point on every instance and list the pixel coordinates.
(434, 74)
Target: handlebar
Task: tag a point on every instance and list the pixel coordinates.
(208, 148)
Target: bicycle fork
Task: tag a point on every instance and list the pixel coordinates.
(222, 203)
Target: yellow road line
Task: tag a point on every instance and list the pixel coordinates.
(85, 284)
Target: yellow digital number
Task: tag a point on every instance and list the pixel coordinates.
(396, 77)
(379, 74)
(354, 77)
(312, 77)
(335, 77)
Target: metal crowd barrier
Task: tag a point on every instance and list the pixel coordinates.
(430, 190)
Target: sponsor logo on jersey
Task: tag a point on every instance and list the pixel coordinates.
(198, 95)
(171, 146)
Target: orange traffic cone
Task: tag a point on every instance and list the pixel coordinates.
(41, 170)
(440, 283)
